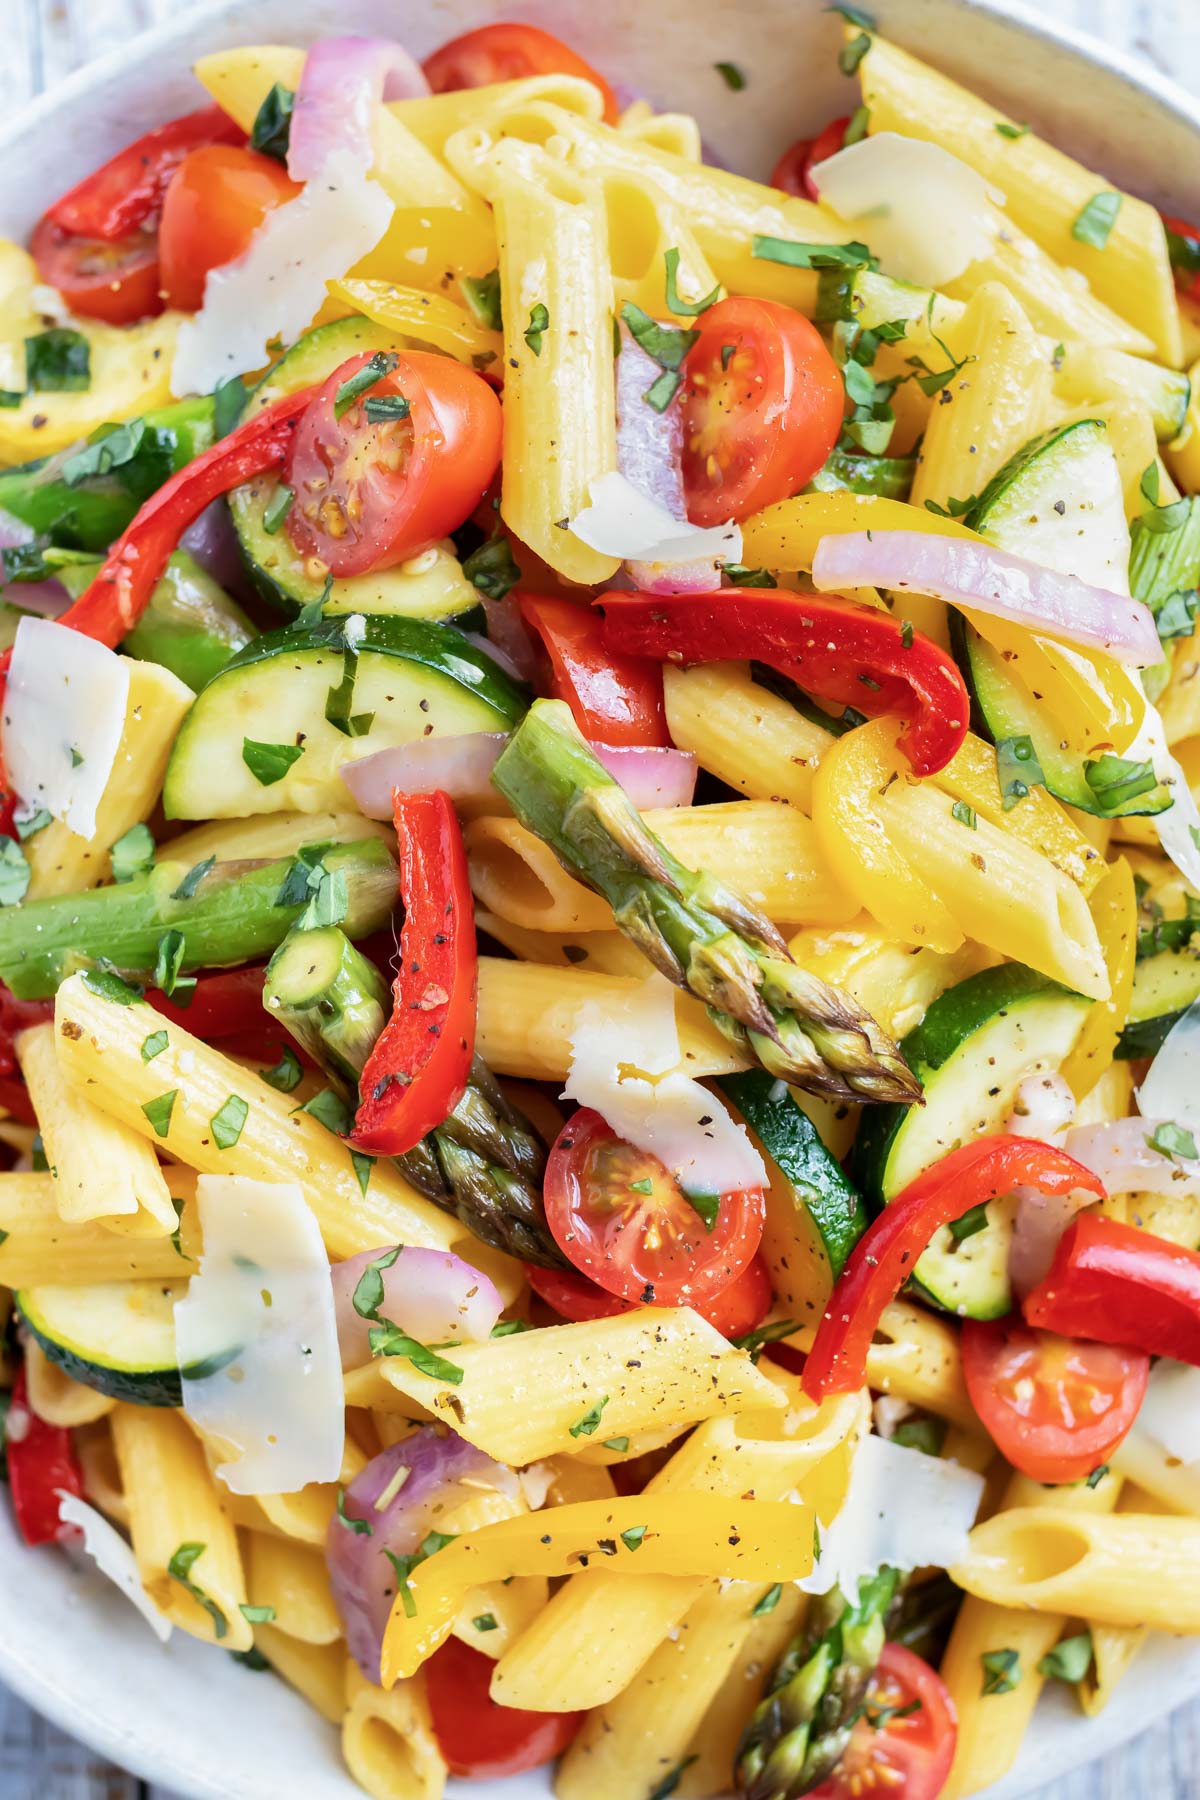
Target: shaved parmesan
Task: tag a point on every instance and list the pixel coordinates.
(623, 521)
(1170, 1413)
(1171, 1089)
(64, 712)
(903, 1510)
(278, 286)
(113, 1557)
(624, 1064)
(924, 214)
(260, 1315)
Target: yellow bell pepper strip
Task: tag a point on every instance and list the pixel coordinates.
(1114, 908)
(852, 836)
(642, 1534)
(971, 776)
(426, 318)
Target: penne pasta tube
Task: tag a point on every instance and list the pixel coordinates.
(40, 1246)
(316, 1671)
(710, 1755)
(493, 1616)
(55, 1397)
(292, 1579)
(388, 1740)
(272, 835)
(741, 732)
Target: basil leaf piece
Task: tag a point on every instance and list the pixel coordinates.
(331, 1110)
(287, 1071)
(32, 820)
(373, 370)
(271, 132)
(133, 853)
(675, 304)
(180, 1569)
(228, 1121)
(1002, 1671)
(1115, 780)
(491, 569)
(811, 256)
(191, 881)
(585, 1426)
(367, 1297)
(769, 1601)
(360, 1527)
(58, 361)
(159, 1111)
(1170, 1139)
(482, 295)
(707, 1205)
(387, 1339)
(733, 77)
(1069, 1660)
(154, 1045)
(539, 324)
(106, 984)
(1011, 131)
(385, 409)
(925, 1435)
(1096, 220)
(739, 575)
(851, 54)
(964, 814)
(277, 511)
(973, 1220)
(229, 397)
(269, 763)
(15, 873)
(256, 1615)
(168, 962)
(1018, 768)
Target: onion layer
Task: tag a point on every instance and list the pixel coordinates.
(344, 80)
(433, 1295)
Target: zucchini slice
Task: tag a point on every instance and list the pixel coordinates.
(410, 679)
(429, 586)
(974, 1047)
(812, 1178)
(116, 1336)
(1164, 986)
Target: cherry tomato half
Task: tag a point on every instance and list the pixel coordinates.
(99, 278)
(478, 1738)
(127, 190)
(898, 1757)
(624, 1221)
(215, 202)
(736, 1310)
(613, 699)
(508, 51)
(1055, 1407)
(1183, 242)
(793, 171)
(762, 409)
(372, 492)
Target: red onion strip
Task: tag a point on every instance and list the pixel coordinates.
(650, 456)
(344, 80)
(433, 1295)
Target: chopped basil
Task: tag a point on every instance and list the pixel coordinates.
(671, 1780)
(1173, 1140)
(191, 881)
(1002, 1671)
(769, 1333)
(362, 1165)
(644, 1186)
(971, 1222)
(154, 1045)
(286, 1073)
(256, 1615)
(58, 361)
(1097, 219)
(303, 875)
(11, 398)
(142, 456)
(106, 984)
(727, 351)
(964, 814)
(666, 345)
(663, 389)
(76, 758)
(908, 634)
(740, 576)
(404, 1565)
(1184, 251)
(851, 54)
(279, 508)
(367, 1297)
(1097, 1476)
(373, 370)
(675, 304)
(585, 1426)
(1069, 1660)
(925, 1435)
(37, 1155)
(250, 1659)
(1018, 768)
(632, 1539)
(1159, 518)
(271, 131)
(15, 873)
(330, 902)
(331, 1110)
(180, 1569)
(387, 1339)
(359, 1527)
(811, 256)
(1011, 131)
(491, 569)
(617, 1444)
(539, 324)
(707, 1205)
(228, 1120)
(733, 77)
(856, 130)
(229, 397)
(769, 1601)
(269, 763)
(1176, 615)
(953, 509)
(168, 962)
(36, 819)
(385, 409)
(1114, 780)
(340, 699)
(482, 295)
(485, 1622)
(133, 853)
(509, 1328)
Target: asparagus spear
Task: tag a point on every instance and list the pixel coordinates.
(484, 1162)
(798, 1733)
(703, 935)
(227, 913)
(191, 625)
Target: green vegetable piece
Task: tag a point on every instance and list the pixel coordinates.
(1097, 219)
(159, 1111)
(587, 1424)
(58, 361)
(271, 132)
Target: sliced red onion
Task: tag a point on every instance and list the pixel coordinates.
(1040, 1222)
(508, 632)
(651, 776)
(212, 542)
(1043, 1105)
(459, 766)
(1121, 1154)
(1171, 1089)
(650, 456)
(343, 81)
(404, 1493)
(48, 599)
(493, 650)
(981, 579)
(13, 531)
(433, 1295)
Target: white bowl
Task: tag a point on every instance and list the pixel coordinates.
(184, 1716)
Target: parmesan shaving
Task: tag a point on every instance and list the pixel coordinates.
(64, 712)
(620, 520)
(924, 214)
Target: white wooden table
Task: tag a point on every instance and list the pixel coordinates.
(43, 40)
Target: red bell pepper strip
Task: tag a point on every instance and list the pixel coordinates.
(1119, 1285)
(614, 699)
(224, 1004)
(887, 1253)
(127, 190)
(41, 1464)
(845, 654)
(15, 1016)
(418, 1069)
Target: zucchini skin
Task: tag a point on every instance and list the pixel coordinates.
(150, 1387)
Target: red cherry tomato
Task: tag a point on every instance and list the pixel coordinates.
(506, 52)
(736, 1310)
(614, 699)
(793, 171)
(111, 279)
(898, 1757)
(1055, 1407)
(371, 493)
(762, 409)
(215, 202)
(624, 1221)
(478, 1738)
(1183, 242)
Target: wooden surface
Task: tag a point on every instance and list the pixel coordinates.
(43, 40)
